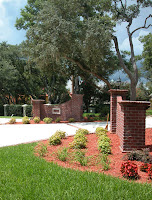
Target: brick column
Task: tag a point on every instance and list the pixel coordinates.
(77, 106)
(37, 104)
(132, 124)
(114, 93)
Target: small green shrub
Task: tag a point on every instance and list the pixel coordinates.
(48, 120)
(71, 120)
(25, 120)
(105, 162)
(104, 147)
(100, 131)
(42, 150)
(61, 134)
(12, 121)
(79, 142)
(104, 138)
(83, 131)
(54, 140)
(81, 158)
(63, 154)
(58, 119)
(36, 120)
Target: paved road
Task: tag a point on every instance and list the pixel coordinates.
(17, 134)
(24, 133)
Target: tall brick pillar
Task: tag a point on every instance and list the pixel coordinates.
(115, 95)
(37, 107)
(132, 124)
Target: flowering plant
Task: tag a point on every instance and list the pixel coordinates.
(129, 170)
(150, 171)
(144, 167)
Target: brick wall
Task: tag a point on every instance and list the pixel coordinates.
(70, 109)
(128, 120)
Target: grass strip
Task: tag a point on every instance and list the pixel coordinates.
(24, 176)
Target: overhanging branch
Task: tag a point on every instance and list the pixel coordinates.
(144, 26)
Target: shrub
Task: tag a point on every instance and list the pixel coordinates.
(140, 155)
(58, 119)
(100, 131)
(129, 170)
(16, 110)
(61, 134)
(104, 138)
(26, 120)
(29, 110)
(42, 150)
(83, 131)
(12, 121)
(105, 162)
(104, 147)
(1, 110)
(79, 141)
(144, 167)
(71, 120)
(36, 120)
(48, 120)
(54, 140)
(81, 158)
(62, 154)
(150, 171)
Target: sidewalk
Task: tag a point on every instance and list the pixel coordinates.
(25, 133)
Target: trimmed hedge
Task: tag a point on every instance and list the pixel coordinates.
(17, 110)
(1, 110)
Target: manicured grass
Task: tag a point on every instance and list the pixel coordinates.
(24, 176)
(16, 117)
(96, 114)
(148, 112)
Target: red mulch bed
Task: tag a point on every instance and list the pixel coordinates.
(116, 157)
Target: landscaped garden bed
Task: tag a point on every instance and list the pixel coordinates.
(95, 161)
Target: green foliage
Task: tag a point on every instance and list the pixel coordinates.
(48, 120)
(58, 119)
(21, 170)
(1, 110)
(12, 121)
(81, 158)
(62, 154)
(105, 162)
(25, 120)
(104, 147)
(140, 155)
(29, 110)
(36, 120)
(54, 140)
(61, 134)
(42, 149)
(16, 110)
(71, 120)
(79, 141)
(100, 131)
(148, 112)
(82, 131)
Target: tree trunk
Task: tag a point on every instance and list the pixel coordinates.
(133, 91)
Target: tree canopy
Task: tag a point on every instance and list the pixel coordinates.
(80, 32)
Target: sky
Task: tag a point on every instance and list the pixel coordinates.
(10, 10)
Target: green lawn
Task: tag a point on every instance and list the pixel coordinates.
(16, 117)
(24, 176)
(148, 112)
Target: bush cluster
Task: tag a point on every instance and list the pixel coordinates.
(56, 138)
(48, 120)
(103, 141)
(146, 167)
(129, 170)
(140, 155)
(79, 142)
(83, 131)
(25, 120)
(71, 120)
(12, 120)
(58, 119)
(36, 120)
